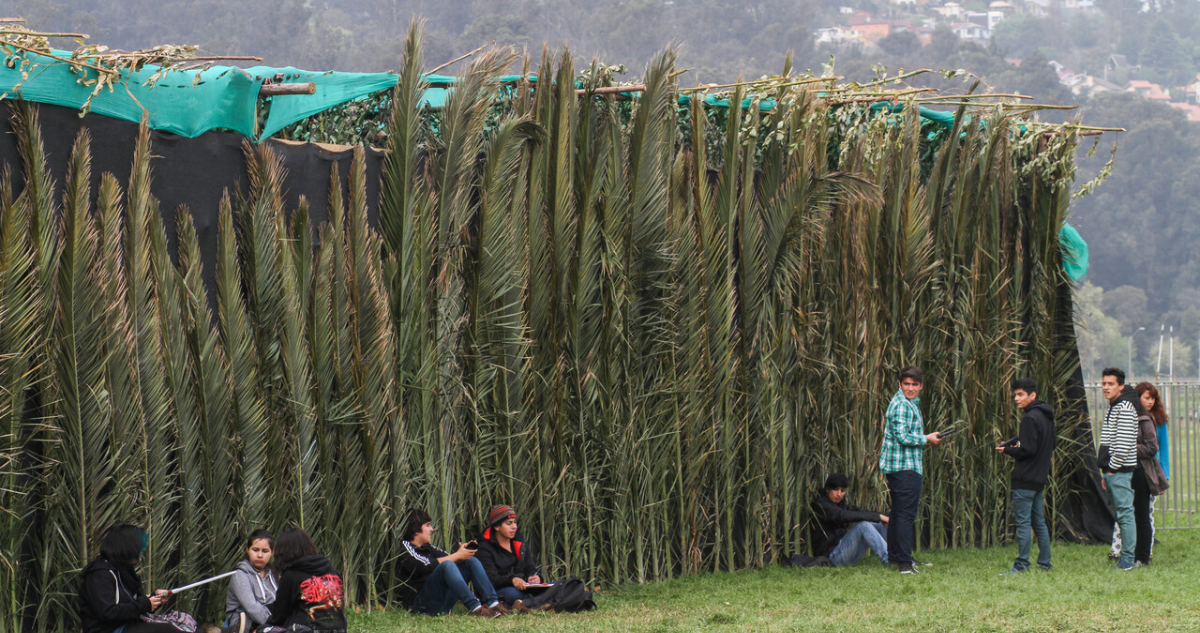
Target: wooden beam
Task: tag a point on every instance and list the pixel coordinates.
(275, 90)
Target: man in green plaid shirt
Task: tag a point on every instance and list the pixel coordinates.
(904, 441)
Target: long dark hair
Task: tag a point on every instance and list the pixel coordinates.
(123, 544)
(1158, 412)
(293, 545)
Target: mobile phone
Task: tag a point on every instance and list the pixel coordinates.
(947, 432)
(471, 545)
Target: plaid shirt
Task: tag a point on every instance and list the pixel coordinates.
(903, 436)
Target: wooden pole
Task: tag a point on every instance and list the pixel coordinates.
(275, 90)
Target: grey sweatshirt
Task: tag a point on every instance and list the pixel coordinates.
(251, 593)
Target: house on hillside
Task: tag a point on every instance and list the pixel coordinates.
(1151, 91)
(870, 29)
(951, 11)
(1192, 91)
(838, 35)
(1038, 8)
(971, 32)
(1007, 8)
(1092, 86)
(1190, 109)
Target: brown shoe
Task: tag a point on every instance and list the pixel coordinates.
(500, 608)
(483, 612)
(519, 607)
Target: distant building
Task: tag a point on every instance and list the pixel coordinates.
(971, 32)
(1151, 91)
(1190, 109)
(950, 11)
(1007, 8)
(838, 35)
(1192, 90)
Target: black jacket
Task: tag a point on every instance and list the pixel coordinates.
(502, 565)
(832, 520)
(416, 563)
(310, 594)
(1031, 467)
(110, 597)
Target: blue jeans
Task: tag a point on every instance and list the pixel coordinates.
(1120, 492)
(511, 594)
(1028, 508)
(862, 536)
(905, 489)
(448, 584)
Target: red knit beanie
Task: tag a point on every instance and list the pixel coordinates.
(499, 514)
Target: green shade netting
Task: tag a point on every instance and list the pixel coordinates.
(1075, 252)
(192, 102)
(187, 103)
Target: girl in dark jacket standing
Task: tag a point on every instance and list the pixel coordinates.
(508, 562)
(110, 592)
(310, 589)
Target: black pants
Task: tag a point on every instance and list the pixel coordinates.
(149, 627)
(1141, 517)
(905, 489)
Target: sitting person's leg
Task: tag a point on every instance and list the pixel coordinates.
(473, 571)
(862, 537)
(442, 589)
(511, 594)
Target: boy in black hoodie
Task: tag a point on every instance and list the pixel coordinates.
(1031, 450)
(843, 532)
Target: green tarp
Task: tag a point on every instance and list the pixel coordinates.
(192, 102)
(187, 103)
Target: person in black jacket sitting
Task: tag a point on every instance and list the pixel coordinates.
(432, 580)
(1031, 451)
(110, 592)
(506, 559)
(310, 589)
(843, 532)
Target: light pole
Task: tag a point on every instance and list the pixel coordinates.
(1129, 359)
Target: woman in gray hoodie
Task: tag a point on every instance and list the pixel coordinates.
(253, 588)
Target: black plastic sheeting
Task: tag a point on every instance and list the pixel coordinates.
(191, 172)
(195, 172)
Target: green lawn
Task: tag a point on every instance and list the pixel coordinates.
(963, 591)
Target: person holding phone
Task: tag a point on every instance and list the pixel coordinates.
(433, 580)
(505, 556)
(110, 592)
(1031, 451)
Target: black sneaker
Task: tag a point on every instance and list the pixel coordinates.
(907, 568)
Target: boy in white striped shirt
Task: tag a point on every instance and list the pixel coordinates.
(1118, 455)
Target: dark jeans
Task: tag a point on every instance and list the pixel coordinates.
(448, 584)
(511, 594)
(905, 489)
(1028, 509)
(1141, 517)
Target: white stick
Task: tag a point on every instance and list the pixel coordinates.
(204, 582)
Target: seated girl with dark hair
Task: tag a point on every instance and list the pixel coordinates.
(310, 589)
(253, 588)
(110, 592)
(506, 559)
(431, 580)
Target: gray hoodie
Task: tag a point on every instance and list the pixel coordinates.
(251, 593)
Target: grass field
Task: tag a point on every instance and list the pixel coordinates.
(964, 590)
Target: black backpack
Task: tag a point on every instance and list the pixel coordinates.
(564, 596)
